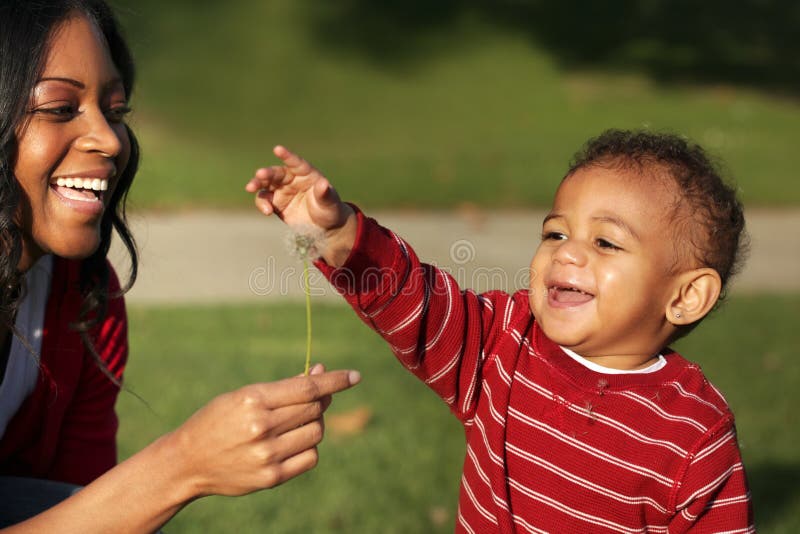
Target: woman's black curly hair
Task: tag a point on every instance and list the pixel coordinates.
(26, 27)
(708, 217)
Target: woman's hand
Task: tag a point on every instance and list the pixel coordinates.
(253, 438)
(258, 436)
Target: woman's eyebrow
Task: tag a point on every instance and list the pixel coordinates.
(70, 81)
(77, 83)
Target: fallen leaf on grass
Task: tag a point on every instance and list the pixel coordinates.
(439, 515)
(348, 423)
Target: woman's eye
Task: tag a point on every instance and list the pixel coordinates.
(605, 244)
(57, 112)
(117, 114)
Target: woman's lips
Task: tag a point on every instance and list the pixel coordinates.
(84, 195)
(82, 200)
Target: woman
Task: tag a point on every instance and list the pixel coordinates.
(67, 160)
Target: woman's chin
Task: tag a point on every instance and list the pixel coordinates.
(69, 245)
(77, 247)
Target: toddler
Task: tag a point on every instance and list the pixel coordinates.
(578, 416)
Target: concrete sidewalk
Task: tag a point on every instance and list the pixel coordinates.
(205, 257)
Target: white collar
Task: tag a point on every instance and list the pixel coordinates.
(652, 368)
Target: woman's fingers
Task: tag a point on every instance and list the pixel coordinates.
(316, 369)
(280, 407)
(293, 442)
(289, 454)
(276, 474)
(304, 389)
(284, 419)
(259, 435)
(292, 452)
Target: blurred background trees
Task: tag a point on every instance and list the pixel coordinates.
(411, 104)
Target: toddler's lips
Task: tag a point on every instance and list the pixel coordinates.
(566, 297)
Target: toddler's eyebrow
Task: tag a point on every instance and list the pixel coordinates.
(618, 222)
(551, 216)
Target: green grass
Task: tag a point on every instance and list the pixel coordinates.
(477, 114)
(403, 470)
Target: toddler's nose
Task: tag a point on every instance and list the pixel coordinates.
(570, 251)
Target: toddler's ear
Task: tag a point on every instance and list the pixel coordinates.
(696, 293)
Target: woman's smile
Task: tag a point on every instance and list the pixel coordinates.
(84, 191)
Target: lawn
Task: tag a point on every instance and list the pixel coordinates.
(418, 113)
(400, 473)
(424, 114)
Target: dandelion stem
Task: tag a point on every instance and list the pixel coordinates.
(308, 314)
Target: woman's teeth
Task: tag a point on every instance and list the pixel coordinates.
(95, 184)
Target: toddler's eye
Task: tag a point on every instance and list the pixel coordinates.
(553, 236)
(608, 245)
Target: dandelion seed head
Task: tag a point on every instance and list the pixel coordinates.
(304, 242)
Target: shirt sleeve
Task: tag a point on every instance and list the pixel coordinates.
(435, 329)
(87, 443)
(713, 495)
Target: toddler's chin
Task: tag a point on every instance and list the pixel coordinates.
(565, 335)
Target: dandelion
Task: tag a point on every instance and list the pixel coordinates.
(304, 244)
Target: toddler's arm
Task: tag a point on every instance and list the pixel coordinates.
(440, 333)
(301, 196)
(712, 494)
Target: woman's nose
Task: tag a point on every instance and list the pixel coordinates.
(99, 136)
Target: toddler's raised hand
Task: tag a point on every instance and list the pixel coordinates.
(296, 192)
(301, 196)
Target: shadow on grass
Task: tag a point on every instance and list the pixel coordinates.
(751, 42)
(774, 487)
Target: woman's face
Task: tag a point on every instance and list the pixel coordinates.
(73, 147)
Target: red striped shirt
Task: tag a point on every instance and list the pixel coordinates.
(66, 429)
(552, 446)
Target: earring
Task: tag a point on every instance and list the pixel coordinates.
(678, 315)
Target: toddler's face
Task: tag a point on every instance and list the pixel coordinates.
(601, 278)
